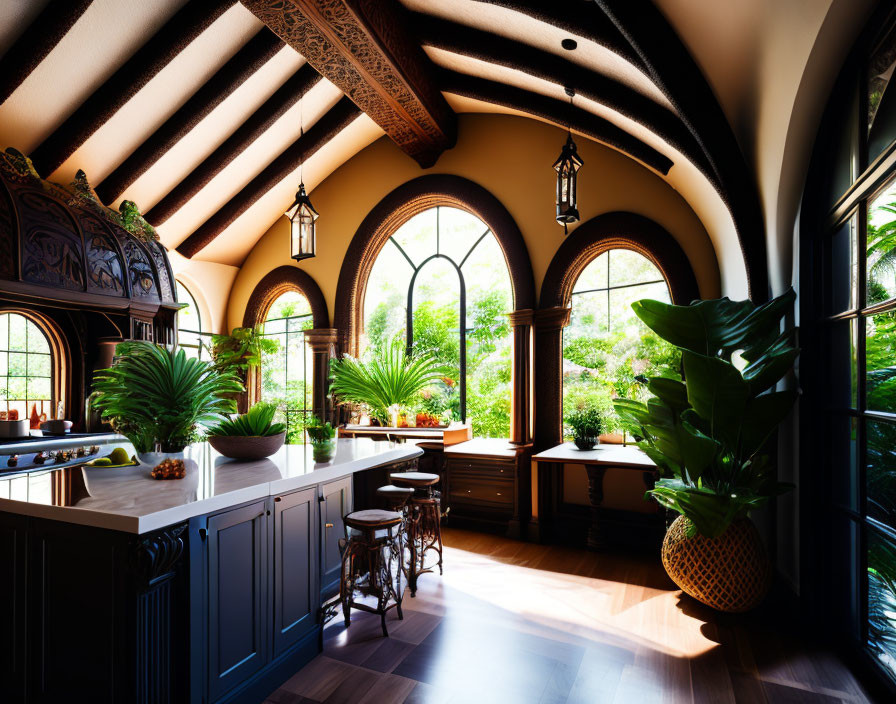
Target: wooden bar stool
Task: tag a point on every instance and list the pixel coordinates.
(372, 563)
(424, 530)
(394, 498)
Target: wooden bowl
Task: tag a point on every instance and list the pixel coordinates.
(247, 447)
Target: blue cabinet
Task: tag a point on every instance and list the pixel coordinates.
(335, 502)
(295, 569)
(237, 598)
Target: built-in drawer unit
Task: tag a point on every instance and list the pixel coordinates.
(487, 485)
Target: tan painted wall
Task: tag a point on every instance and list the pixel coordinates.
(511, 157)
(210, 285)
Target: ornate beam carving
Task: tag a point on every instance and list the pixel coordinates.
(51, 25)
(285, 97)
(327, 127)
(255, 54)
(364, 48)
(187, 24)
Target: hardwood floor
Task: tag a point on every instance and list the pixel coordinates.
(518, 623)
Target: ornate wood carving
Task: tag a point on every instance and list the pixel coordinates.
(105, 266)
(140, 271)
(153, 559)
(52, 250)
(364, 48)
(9, 240)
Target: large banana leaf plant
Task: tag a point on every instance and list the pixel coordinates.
(707, 433)
(386, 381)
(155, 394)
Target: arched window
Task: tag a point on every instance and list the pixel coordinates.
(26, 366)
(606, 348)
(441, 283)
(287, 373)
(190, 335)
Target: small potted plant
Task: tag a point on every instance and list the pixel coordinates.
(250, 436)
(586, 425)
(323, 439)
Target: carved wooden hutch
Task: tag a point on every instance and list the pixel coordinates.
(68, 262)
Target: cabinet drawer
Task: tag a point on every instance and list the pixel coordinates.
(485, 491)
(480, 468)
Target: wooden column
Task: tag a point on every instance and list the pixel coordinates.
(322, 342)
(522, 400)
(549, 324)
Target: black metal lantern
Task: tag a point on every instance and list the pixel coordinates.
(301, 216)
(567, 166)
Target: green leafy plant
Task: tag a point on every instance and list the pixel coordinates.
(318, 431)
(707, 434)
(389, 379)
(241, 350)
(257, 422)
(585, 422)
(155, 394)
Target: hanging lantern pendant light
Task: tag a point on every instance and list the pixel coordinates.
(567, 167)
(302, 215)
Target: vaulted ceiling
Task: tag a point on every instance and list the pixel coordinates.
(194, 108)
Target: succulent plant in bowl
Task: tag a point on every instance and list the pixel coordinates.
(250, 436)
(586, 425)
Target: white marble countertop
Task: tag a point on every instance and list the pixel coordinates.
(129, 500)
(608, 454)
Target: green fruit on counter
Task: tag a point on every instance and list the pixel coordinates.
(102, 462)
(119, 456)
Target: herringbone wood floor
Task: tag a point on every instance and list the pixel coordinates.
(518, 623)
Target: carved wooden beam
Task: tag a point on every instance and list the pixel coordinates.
(187, 24)
(51, 25)
(327, 127)
(249, 59)
(364, 48)
(284, 98)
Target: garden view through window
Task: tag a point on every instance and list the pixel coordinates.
(26, 366)
(447, 269)
(286, 374)
(607, 350)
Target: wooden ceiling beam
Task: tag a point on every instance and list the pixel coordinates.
(365, 48)
(334, 121)
(498, 50)
(38, 40)
(556, 111)
(242, 65)
(284, 98)
(174, 36)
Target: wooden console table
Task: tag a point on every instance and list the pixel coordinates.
(596, 462)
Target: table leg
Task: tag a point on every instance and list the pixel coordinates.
(596, 497)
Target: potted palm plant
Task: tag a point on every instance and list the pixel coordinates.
(386, 382)
(250, 436)
(708, 435)
(159, 398)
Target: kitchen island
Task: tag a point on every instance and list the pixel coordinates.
(121, 588)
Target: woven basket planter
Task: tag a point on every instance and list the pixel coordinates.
(730, 573)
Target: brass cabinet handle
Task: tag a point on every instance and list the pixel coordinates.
(278, 499)
(329, 525)
(499, 493)
(469, 491)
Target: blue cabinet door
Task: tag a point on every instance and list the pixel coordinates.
(335, 502)
(296, 593)
(237, 596)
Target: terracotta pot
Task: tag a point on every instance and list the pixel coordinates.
(730, 573)
(612, 438)
(247, 447)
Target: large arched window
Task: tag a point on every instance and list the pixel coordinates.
(606, 348)
(26, 366)
(287, 373)
(441, 284)
(190, 335)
